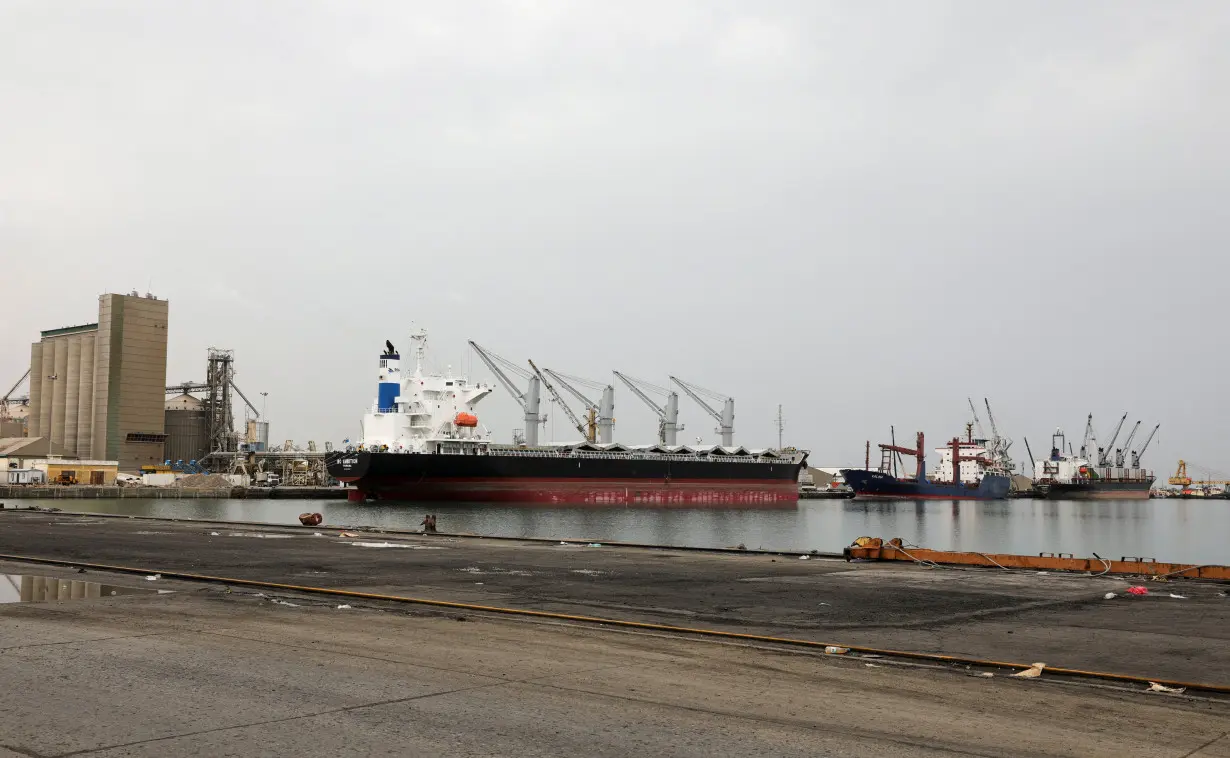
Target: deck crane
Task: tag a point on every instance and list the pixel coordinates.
(1121, 453)
(601, 414)
(1033, 465)
(1137, 455)
(1104, 453)
(1089, 437)
(587, 433)
(725, 419)
(4, 401)
(999, 445)
(668, 414)
(977, 421)
(528, 400)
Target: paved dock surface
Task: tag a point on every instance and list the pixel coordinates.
(207, 671)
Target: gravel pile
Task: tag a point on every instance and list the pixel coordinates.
(204, 482)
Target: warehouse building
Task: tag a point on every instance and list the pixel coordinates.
(97, 390)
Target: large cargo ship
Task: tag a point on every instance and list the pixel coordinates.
(1094, 473)
(421, 440)
(965, 473)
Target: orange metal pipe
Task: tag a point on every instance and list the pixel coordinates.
(877, 550)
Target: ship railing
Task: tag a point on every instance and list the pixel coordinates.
(566, 453)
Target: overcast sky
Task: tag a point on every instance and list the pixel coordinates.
(864, 211)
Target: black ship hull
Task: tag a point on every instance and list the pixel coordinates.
(543, 477)
(1100, 489)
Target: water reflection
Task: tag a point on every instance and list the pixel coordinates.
(24, 588)
(1169, 530)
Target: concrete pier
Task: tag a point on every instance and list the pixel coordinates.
(223, 669)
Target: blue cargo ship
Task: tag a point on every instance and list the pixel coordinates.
(965, 473)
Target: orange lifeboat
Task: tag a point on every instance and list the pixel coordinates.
(466, 419)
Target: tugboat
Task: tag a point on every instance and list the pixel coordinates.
(965, 473)
(422, 440)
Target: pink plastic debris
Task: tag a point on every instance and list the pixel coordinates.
(1137, 590)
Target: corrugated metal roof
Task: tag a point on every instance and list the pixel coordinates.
(69, 330)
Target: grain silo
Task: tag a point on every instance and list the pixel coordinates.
(187, 428)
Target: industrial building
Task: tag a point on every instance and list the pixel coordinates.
(96, 390)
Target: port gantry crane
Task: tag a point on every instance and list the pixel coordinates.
(529, 400)
(4, 401)
(725, 419)
(668, 414)
(587, 431)
(600, 416)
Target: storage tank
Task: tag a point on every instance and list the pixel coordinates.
(258, 435)
(187, 435)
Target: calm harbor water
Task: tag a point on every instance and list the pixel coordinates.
(1169, 530)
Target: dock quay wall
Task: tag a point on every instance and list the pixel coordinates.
(79, 492)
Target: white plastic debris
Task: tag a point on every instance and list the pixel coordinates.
(343, 607)
(317, 534)
(1109, 596)
(804, 557)
(986, 675)
(153, 577)
(834, 650)
(1034, 671)
(872, 665)
(1043, 573)
(275, 601)
(563, 543)
(1178, 597)
(595, 544)
(214, 534)
(1155, 687)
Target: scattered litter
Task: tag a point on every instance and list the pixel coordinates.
(275, 601)
(214, 534)
(1155, 687)
(1109, 596)
(988, 674)
(393, 544)
(1043, 573)
(804, 557)
(260, 535)
(260, 594)
(480, 584)
(1138, 590)
(153, 577)
(1222, 594)
(343, 607)
(318, 534)
(824, 604)
(834, 650)
(871, 655)
(1032, 672)
(586, 572)
(348, 534)
(563, 543)
(595, 544)
(872, 665)
(1178, 597)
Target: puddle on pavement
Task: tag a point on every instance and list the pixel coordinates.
(25, 588)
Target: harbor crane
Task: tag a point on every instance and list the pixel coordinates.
(1105, 453)
(600, 414)
(1122, 452)
(977, 422)
(588, 432)
(1090, 437)
(668, 414)
(4, 401)
(529, 400)
(725, 419)
(999, 445)
(1137, 455)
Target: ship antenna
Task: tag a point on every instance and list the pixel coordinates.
(420, 348)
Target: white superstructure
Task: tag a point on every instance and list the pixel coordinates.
(423, 413)
(971, 470)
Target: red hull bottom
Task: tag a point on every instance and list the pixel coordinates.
(707, 494)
